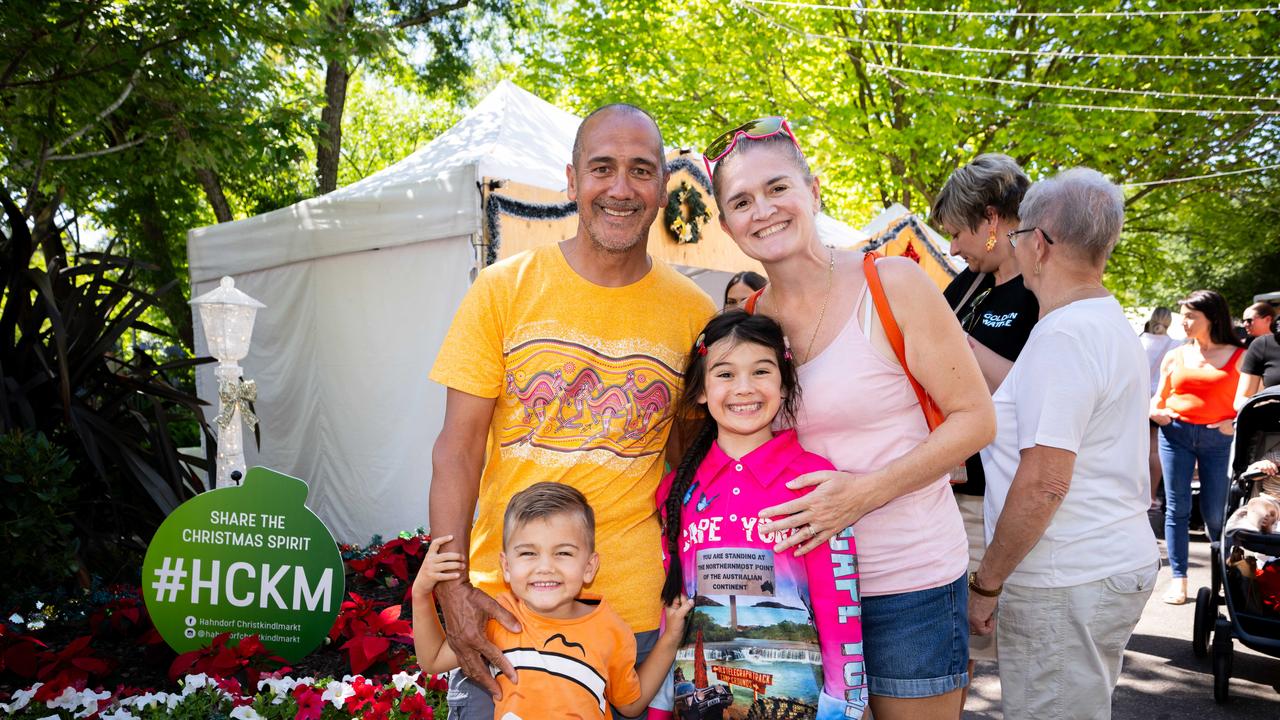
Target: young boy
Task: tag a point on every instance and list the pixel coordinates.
(573, 656)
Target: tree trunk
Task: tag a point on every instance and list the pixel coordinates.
(156, 250)
(213, 193)
(329, 136)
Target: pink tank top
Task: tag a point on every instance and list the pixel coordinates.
(858, 411)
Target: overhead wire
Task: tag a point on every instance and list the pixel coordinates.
(1074, 88)
(1070, 54)
(1014, 13)
(1224, 173)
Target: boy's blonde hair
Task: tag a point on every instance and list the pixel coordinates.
(546, 499)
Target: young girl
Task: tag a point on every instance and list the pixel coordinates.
(779, 631)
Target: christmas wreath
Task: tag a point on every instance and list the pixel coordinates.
(687, 228)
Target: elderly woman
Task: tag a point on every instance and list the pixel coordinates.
(977, 207)
(861, 412)
(1071, 558)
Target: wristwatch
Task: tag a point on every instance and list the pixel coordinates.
(975, 587)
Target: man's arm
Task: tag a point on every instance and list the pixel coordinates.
(456, 463)
(1039, 486)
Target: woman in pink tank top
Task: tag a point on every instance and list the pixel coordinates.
(859, 410)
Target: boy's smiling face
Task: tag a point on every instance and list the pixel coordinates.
(547, 561)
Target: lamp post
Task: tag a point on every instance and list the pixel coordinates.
(227, 315)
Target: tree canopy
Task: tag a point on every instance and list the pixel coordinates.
(889, 99)
(154, 117)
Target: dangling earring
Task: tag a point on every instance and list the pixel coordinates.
(1037, 272)
(991, 240)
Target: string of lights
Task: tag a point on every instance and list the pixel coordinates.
(1013, 13)
(1067, 54)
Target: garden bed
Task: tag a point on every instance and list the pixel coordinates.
(96, 654)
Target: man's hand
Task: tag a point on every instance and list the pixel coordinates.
(466, 611)
(982, 614)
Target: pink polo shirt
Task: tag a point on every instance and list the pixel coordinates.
(789, 625)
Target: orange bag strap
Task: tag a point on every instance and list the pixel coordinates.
(894, 335)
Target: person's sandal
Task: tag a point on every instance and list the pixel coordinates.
(1176, 594)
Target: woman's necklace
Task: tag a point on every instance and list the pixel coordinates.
(831, 271)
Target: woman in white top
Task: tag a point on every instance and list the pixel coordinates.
(1156, 341)
(1070, 551)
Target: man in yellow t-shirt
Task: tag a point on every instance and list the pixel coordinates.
(564, 364)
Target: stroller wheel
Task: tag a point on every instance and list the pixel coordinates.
(1206, 610)
(1223, 651)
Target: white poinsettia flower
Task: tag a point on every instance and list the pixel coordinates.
(337, 693)
(403, 680)
(119, 714)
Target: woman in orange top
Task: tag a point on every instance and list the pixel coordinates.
(1193, 408)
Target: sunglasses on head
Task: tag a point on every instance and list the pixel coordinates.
(757, 129)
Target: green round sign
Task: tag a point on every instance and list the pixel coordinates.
(248, 560)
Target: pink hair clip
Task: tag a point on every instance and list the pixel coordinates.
(786, 349)
(700, 345)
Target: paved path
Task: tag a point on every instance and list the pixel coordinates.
(1162, 680)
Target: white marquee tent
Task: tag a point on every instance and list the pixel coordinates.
(360, 286)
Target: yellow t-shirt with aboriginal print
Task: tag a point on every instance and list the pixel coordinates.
(586, 378)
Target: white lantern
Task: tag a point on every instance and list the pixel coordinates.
(227, 315)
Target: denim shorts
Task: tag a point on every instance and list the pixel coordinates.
(917, 643)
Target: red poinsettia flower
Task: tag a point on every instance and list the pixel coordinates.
(18, 652)
(221, 660)
(72, 666)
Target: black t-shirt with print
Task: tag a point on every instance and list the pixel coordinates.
(1000, 317)
(1263, 359)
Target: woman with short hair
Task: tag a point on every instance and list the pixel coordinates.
(1071, 557)
(977, 207)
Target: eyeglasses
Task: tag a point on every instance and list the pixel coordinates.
(971, 318)
(1013, 240)
(757, 129)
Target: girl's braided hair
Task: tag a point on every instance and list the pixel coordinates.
(738, 327)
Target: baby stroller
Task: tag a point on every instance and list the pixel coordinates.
(1247, 619)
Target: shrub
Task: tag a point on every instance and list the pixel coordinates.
(36, 506)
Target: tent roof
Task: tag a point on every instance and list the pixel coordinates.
(896, 214)
(512, 134)
(429, 195)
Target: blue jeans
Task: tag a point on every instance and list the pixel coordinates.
(1182, 445)
(917, 643)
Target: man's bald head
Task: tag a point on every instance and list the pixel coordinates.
(601, 114)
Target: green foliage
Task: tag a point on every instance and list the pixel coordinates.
(880, 128)
(36, 507)
(61, 327)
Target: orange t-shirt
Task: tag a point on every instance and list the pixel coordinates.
(1200, 395)
(567, 668)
